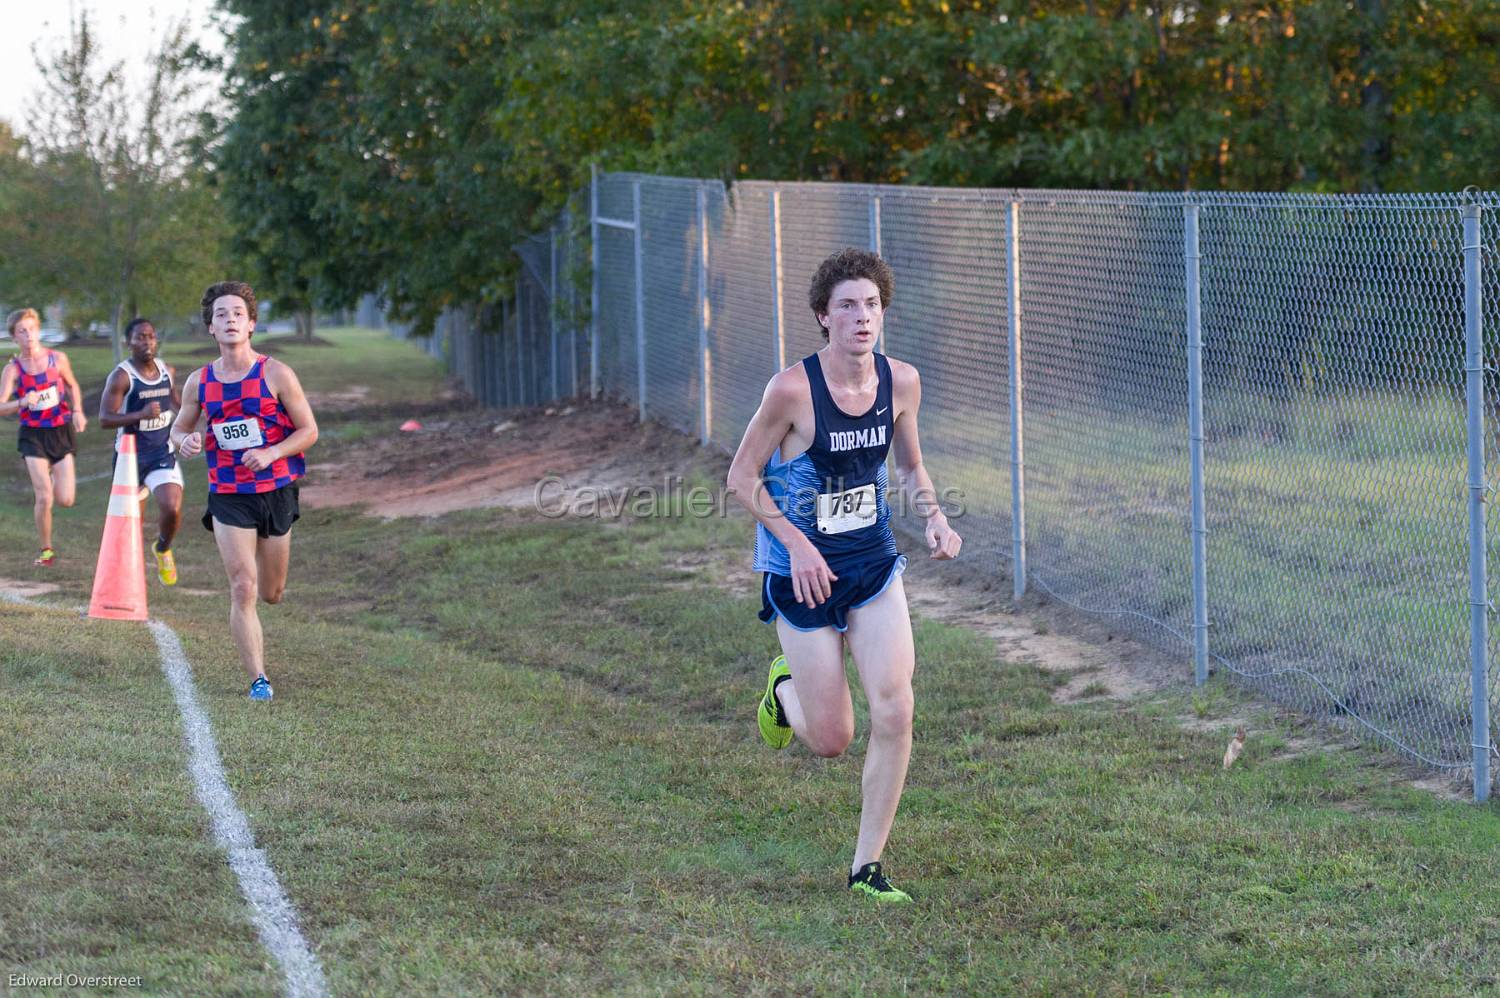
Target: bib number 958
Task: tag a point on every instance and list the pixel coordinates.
(238, 434)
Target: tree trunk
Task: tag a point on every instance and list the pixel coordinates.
(1374, 103)
(305, 324)
(114, 339)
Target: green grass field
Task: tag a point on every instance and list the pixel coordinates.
(511, 754)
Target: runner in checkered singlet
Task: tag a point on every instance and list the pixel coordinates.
(39, 386)
(259, 425)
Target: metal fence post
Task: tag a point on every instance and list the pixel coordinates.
(1017, 448)
(705, 360)
(552, 303)
(522, 354)
(875, 248)
(572, 308)
(640, 306)
(1195, 442)
(594, 281)
(1479, 604)
(778, 331)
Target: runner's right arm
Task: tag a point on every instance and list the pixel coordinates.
(185, 436)
(10, 406)
(812, 580)
(112, 403)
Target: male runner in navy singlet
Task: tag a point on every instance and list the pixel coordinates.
(140, 397)
(811, 470)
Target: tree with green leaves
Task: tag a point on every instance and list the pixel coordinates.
(404, 147)
(104, 210)
(361, 155)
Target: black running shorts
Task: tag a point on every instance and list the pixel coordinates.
(53, 443)
(269, 514)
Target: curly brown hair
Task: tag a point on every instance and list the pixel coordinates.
(849, 265)
(237, 288)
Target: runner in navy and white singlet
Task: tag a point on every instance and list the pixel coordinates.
(259, 424)
(811, 469)
(140, 398)
(38, 386)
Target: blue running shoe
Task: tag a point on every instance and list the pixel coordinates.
(260, 689)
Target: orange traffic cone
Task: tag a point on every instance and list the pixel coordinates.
(120, 578)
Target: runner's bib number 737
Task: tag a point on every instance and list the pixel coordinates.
(841, 512)
(238, 434)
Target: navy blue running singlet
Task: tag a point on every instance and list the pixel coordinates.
(835, 491)
(153, 437)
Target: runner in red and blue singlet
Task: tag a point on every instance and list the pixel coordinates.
(258, 426)
(39, 386)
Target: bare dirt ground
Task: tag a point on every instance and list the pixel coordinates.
(590, 457)
(466, 458)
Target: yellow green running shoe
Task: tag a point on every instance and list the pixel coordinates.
(166, 564)
(774, 727)
(870, 882)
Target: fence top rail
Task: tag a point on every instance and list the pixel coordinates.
(1061, 196)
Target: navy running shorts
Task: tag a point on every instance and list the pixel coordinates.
(145, 464)
(856, 585)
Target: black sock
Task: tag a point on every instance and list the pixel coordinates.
(781, 717)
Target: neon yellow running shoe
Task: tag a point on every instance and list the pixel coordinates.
(774, 727)
(870, 882)
(166, 565)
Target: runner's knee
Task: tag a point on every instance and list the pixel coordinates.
(242, 589)
(273, 595)
(65, 499)
(891, 710)
(830, 740)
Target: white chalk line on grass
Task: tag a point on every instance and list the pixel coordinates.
(274, 917)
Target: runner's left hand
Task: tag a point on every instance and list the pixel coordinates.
(80, 422)
(942, 540)
(258, 459)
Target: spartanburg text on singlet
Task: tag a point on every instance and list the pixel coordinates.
(153, 437)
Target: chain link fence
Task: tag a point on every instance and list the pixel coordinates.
(1256, 428)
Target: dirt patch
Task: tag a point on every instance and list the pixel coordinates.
(1109, 665)
(1448, 786)
(350, 398)
(587, 458)
(25, 589)
(714, 568)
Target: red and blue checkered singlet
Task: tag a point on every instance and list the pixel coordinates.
(250, 398)
(53, 415)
